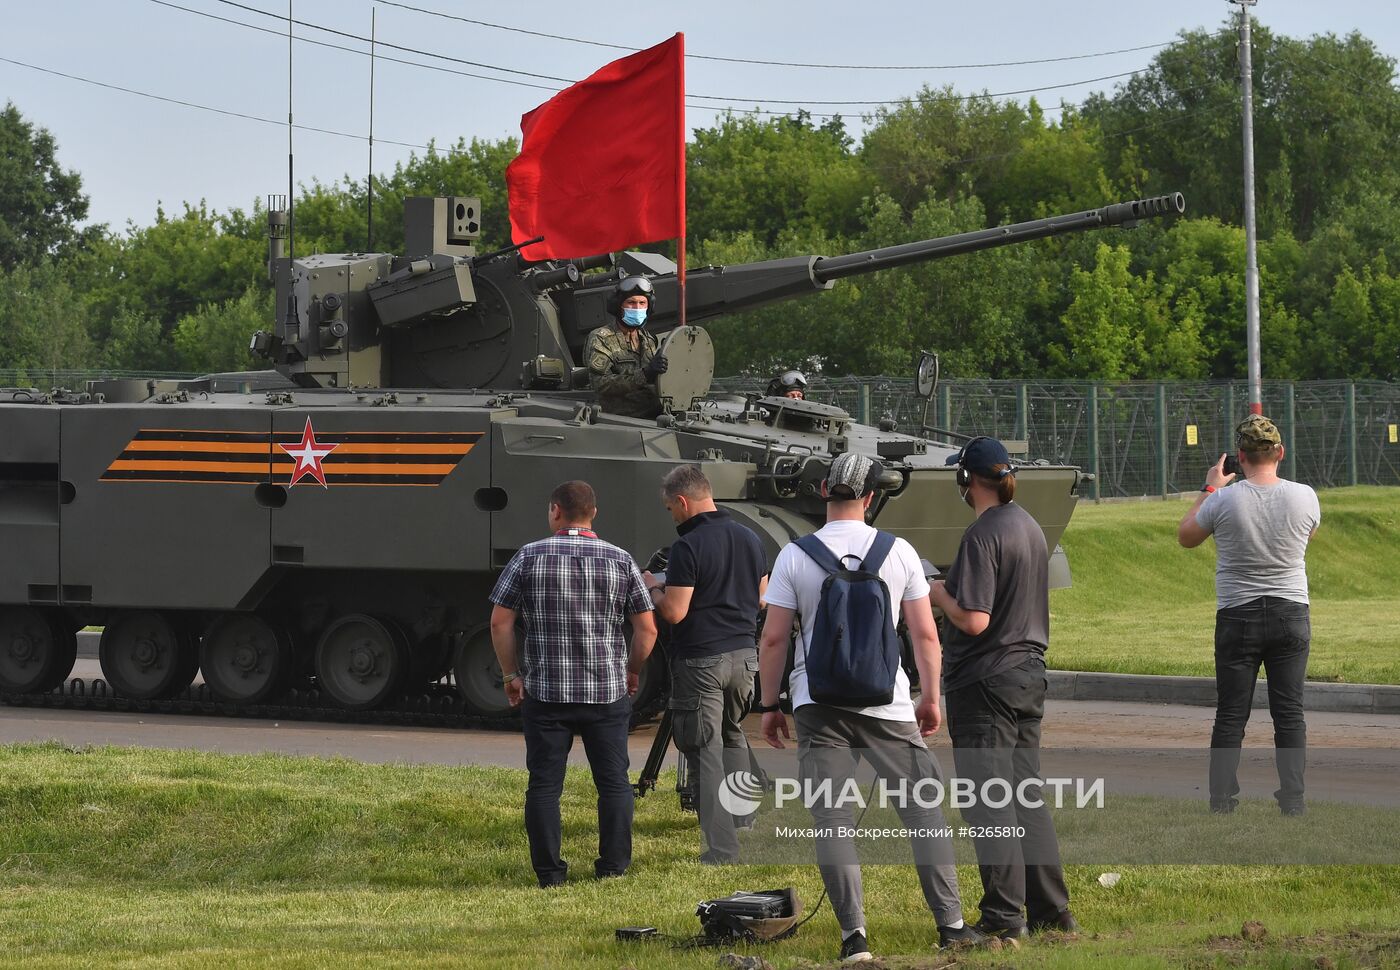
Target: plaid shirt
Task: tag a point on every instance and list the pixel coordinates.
(574, 592)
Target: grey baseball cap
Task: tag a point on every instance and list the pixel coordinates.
(850, 476)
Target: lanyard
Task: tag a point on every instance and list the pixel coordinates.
(586, 533)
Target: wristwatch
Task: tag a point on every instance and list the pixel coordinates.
(507, 678)
(1207, 488)
(768, 708)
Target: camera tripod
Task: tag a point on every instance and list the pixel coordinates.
(685, 783)
(651, 770)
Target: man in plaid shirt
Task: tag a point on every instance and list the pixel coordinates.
(575, 675)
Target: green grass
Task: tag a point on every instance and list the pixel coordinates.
(127, 858)
(1142, 604)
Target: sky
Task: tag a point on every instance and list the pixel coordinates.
(136, 153)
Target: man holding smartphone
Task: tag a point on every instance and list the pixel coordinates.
(1262, 526)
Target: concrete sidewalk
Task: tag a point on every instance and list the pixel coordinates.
(1075, 685)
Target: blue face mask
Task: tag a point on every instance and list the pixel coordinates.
(634, 318)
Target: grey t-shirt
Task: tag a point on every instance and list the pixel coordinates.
(1002, 568)
(1261, 533)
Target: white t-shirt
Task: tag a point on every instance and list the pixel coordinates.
(796, 584)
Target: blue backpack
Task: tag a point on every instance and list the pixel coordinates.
(854, 654)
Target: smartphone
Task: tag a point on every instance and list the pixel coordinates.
(1232, 465)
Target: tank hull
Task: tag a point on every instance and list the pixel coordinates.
(305, 507)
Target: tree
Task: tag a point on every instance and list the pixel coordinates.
(767, 176)
(41, 321)
(215, 337)
(41, 204)
(1324, 112)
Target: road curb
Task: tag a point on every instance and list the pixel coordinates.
(1079, 685)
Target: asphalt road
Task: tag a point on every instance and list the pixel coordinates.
(1141, 748)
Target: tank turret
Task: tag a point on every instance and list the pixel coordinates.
(442, 316)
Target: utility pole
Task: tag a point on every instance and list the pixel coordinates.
(1251, 269)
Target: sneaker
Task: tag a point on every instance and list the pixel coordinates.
(1293, 810)
(1063, 923)
(1225, 807)
(961, 938)
(1003, 932)
(854, 949)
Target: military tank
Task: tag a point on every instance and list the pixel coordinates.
(335, 523)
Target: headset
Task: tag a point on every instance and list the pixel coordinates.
(964, 476)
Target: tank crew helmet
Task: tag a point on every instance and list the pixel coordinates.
(784, 384)
(627, 287)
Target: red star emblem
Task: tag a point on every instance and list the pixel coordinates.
(308, 454)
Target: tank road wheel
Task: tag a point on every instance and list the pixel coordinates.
(147, 656)
(478, 675)
(37, 650)
(360, 661)
(244, 660)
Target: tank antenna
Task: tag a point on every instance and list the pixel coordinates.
(291, 183)
(369, 194)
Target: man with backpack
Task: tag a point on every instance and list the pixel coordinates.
(845, 584)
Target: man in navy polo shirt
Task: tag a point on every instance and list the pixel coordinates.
(711, 594)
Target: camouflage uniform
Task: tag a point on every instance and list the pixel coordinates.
(615, 372)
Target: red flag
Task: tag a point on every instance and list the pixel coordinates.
(602, 163)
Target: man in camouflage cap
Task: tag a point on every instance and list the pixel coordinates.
(1261, 526)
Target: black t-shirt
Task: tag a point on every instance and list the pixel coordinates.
(723, 562)
(1002, 568)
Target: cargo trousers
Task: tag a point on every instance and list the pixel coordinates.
(709, 698)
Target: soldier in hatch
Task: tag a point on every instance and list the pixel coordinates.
(623, 359)
(790, 383)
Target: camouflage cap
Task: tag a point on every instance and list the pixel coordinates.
(1257, 433)
(851, 476)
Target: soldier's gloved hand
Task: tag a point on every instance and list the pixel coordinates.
(656, 366)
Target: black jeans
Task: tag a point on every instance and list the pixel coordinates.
(549, 734)
(1276, 633)
(995, 728)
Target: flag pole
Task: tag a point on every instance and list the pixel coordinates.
(680, 148)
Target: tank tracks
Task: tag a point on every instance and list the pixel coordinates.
(440, 705)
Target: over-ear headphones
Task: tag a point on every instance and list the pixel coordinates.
(964, 476)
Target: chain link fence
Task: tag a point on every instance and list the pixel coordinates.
(46, 380)
(1145, 437)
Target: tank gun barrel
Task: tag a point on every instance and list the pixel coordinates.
(712, 291)
(1117, 214)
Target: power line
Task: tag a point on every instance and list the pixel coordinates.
(398, 47)
(205, 107)
(703, 97)
(1185, 115)
(352, 50)
(746, 60)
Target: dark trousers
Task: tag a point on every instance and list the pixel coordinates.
(549, 734)
(1276, 633)
(995, 728)
(709, 698)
